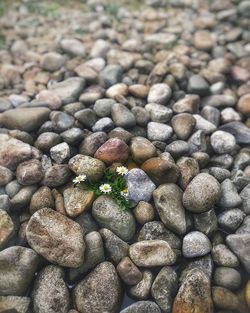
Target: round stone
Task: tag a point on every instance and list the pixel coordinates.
(159, 93)
(144, 212)
(6, 228)
(29, 172)
(222, 142)
(195, 244)
(142, 149)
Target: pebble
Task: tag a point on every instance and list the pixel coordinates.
(56, 175)
(92, 142)
(73, 47)
(119, 89)
(22, 198)
(204, 124)
(141, 290)
(52, 61)
(158, 112)
(227, 277)
(243, 104)
(189, 168)
(122, 116)
(142, 149)
(6, 228)
(159, 131)
(111, 75)
(47, 140)
(198, 85)
(42, 198)
(222, 142)
(223, 256)
(203, 40)
(102, 107)
(159, 93)
(61, 121)
(6, 175)
(188, 104)
(183, 125)
(195, 244)
(239, 130)
(104, 124)
(14, 303)
(231, 219)
(129, 272)
(72, 136)
(86, 117)
(144, 212)
(29, 172)
(245, 194)
(224, 299)
(142, 307)
(178, 148)
(206, 222)
(56, 237)
(229, 195)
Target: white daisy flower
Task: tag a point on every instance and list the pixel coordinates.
(122, 170)
(124, 193)
(105, 188)
(79, 179)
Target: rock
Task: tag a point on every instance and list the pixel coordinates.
(113, 151)
(206, 222)
(201, 194)
(197, 142)
(219, 173)
(222, 142)
(161, 170)
(94, 254)
(26, 119)
(22, 198)
(92, 142)
(60, 153)
(100, 290)
(222, 256)
(142, 116)
(77, 200)
(100, 48)
(224, 299)
(52, 61)
(72, 136)
(143, 212)
(5, 105)
(141, 290)
(6, 175)
(204, 124)
(87, 223)
(231, 219)
(47, 140)
(188, 104)
(229, 195)
(194, 294)
(244, 227)
(6, 228)
(183, 125)
(204, 263)
(29, 172)
(159, 113)
(42, 198)
(129, 272)
(203, 40)
(164, 288)
(239, 244)
(198, 85)
(140, 186)
(50, 293)
(142, 149)
(142, 307)
(122, 116)
(17, 269)
(108, 214)
(159, 93)
(115, 246)
(243, 104)
(245, 196)
(105, 124)
(69, 90)
(53, 101)
(86, 117)
(138, 90)
(73, 47)
(239, 130)
(56, 237)
(159, 131)
(116, 90)
(13, 152)
(91, 167)
(149, 253)
(195, 244)
(111, 75)
(61, 121)
(56, 175)
(227, 277)
(219, 101)
(102, 107)
(189, 168)
(14, 304)
(168, 202)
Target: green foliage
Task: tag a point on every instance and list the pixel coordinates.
(118, 184)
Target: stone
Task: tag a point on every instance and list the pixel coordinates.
(245, 196)
(42, 198)
(219, 173)
(195, 244)
(129, 272)
(53, 101)
(223, 256)
(239, 244)
(29, 172)
(52, 61)
(61, 121)
(231, 219)
(111, 75)
(116, 90)
(159, 93)
(229, 195)
(77, 200)
(115, 246)
(143, 212)
(142, 307)
(159, 131)
(50, 293)
(224, 299)
(150, 253)
(138, 90)
(142, 116)
(168, 202)
(5, 105)
(17, 269)
(219, 101)
(91, 167)
(188, 104)
(56, 175)
(142, 149)
(47, 140)
(161, 170)
(164, 288)
(69, 90)
(14, 304)
(102, 107)
(204, 263)
(222, 142)
(194, 294)
(22, 198)
(227, 277)
(6, 175)
(56, 237)
(201, 194)
(72, 136)
(206, 222)
(94, 254)
(109, 215)
(189, 168)
(113, 150)
(141, 290)
(73, 47)
(122, 116)
(183, 125)
(198, 85)
(104, 124)
(159, 113)
(243, 104)
(197, 142)
(100, 290)
(100, 48)
(25, 119)
(92, 142)
(244, 227)
(203, 40)
(140, 186)
(86, 72)
(60, 153)
(239, 130)
(6, 228)
(204, 124)
(87, 223)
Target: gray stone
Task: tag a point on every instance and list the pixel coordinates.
(129, 272)
(244, 227)
(183, 125)
(229, 195)
(14, 304)
(87, 223)
(206, 222)
(159, 93)
(159, 131)
(219, 101)
(73, 47)
(122, 116)
(197, 142)
(225, 299)
(86, 117)
(73, 135)
(219, 173)
(231, 219)
(47, 140)
(6, 175)
(111, 75)
(57, 175)
(61, 121)
(52, 61)
(104, 124)
(92, 142)
(23, 197)
(222, 142)
(223, 256)
(141, 290)
(12, 188)
(245, 196)
(60, 153)
(240, 131)
(227, 277)
(142, 307)
(102, 107)
(6, 228)
(158, 112)
(198, 85)
(29, 172)
(204, 124)
(195, 244)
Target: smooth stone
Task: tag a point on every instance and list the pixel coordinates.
(87, 223)
(86, 117)
(142, 149)
(219, 173)
(73, 47)
(198, 85)
(14, 304)
(138, 90)
(104, 124)
(56, 175)
(140, 186)
(206, 222)
(17, 268)
(164, 288)
(91, 167)
(142, 307)
(6, 175)
(47, 140)
(195, 244)
(227, 277)
(231, 219)
(229, 195)
(22, 198)
(178, 148)
(60, 153)
(111, 75)
(109, 215)
(92, 142)
(102, 107)
(141, 290)
(56, 237)
(159, 113)
(77, 200)
(42, 198)
(72, 136)
(194, 294)
(144, 212)
(5, 105)
(188, 104)
(211, 114)
(159, 93)
(245, 196)
(239, 131)
(69, 90)
(113, 150)
(159, 131)
(25, 119)
(201, 194)
(204, 124)
(121, 134)
(99, 291)
(52, 61)
(189, 168)
(197, 142)
(116, 90)
(150, 253)
(203, 40)
(219, 101)
(224, 299)
(115, 246)
(240, 245)
(29, 172)
(243, 104)
(168, 202)
(223, 256)
(244, 227)
(61, 121)
(122, 116)
(50, 292)
(6, 228)
(222, 142)
(129, 272)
